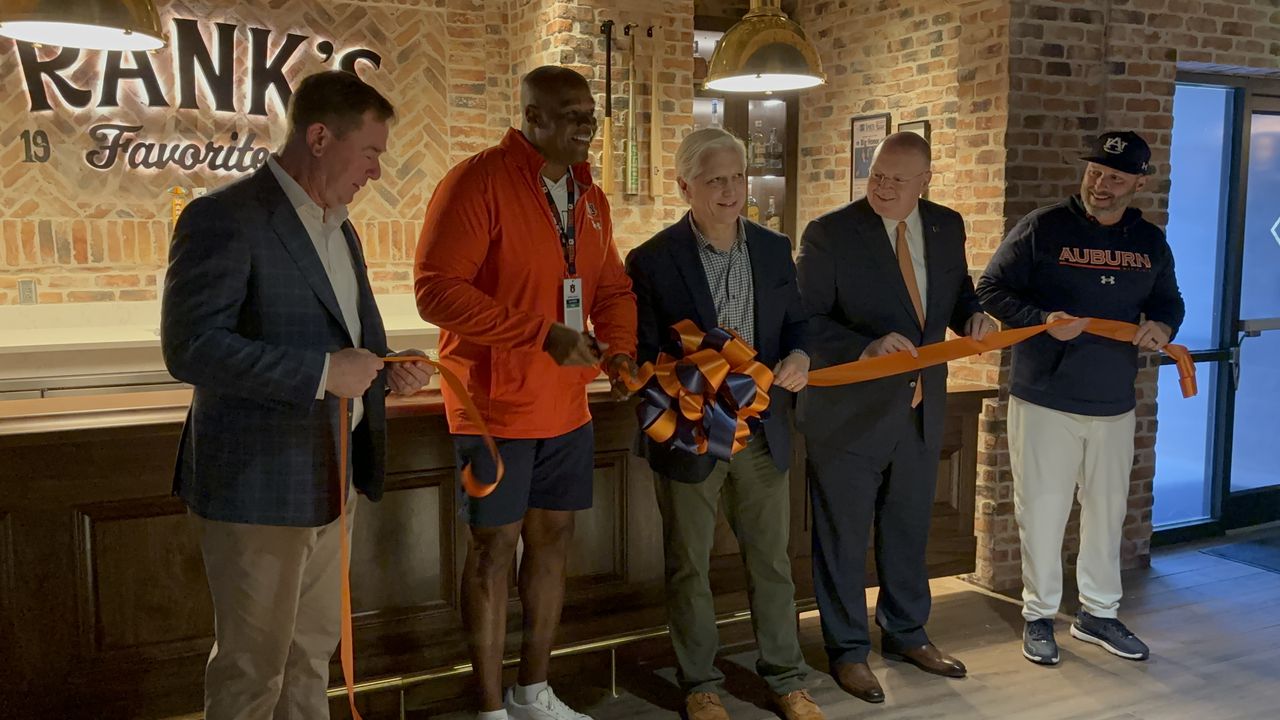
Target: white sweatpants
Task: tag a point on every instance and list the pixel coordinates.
(1053, 452)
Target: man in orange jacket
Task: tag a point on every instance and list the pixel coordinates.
(516, 255)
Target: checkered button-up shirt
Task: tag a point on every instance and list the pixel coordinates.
(729, 279)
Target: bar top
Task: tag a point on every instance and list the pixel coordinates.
(159, 407)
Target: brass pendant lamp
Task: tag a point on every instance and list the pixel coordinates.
(764, 52)
(89, 24)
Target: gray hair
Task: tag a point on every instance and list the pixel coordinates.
(691, 157)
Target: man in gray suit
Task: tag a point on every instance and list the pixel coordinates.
(268, 312)
(881, 275)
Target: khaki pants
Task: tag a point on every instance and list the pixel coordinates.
(1054, 456)
(756, 503)
(277, 618)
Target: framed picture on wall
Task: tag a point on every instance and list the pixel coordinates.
(919, 127)
(866, 133)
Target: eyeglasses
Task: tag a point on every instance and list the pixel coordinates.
(882, 179)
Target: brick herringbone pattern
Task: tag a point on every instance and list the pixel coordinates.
(451, 67)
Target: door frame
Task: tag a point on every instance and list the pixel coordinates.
(1227, 510)
(1246, 507)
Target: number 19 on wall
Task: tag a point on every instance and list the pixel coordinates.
(36, 145)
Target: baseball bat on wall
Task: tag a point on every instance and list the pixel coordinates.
(655, 115)
(631, 172)
(606, 149)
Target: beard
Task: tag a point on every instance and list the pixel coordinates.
(1117, 203)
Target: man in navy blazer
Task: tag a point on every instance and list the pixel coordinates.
(677, 289)
(718, 270)
(884, 274)
(268, 313)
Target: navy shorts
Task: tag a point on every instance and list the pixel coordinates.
(550, 474)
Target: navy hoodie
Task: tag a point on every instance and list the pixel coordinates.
(1059, 258)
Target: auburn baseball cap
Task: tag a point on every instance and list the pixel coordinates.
(1124, 151)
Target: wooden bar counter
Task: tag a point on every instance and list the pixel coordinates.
(104, 610)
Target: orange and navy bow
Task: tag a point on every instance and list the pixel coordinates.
(709, 399)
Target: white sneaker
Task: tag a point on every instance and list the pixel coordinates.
(544, 707)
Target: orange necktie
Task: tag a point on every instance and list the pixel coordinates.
(909, 277)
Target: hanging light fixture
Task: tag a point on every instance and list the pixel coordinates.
(764, 52)
(89, 24)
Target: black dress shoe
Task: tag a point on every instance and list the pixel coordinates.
(858, 680)
(929, 659)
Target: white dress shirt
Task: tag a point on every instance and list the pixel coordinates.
(325, 230)
(915, 243)
(559, 190)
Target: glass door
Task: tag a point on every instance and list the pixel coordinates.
(1254, 468)
(1217, 455)
(1188, 435)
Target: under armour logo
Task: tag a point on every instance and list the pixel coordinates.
(1108, 279)
(1115, 145)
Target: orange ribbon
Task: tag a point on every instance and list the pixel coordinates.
(470, 483)
(706, 400)
(938, 353)
(474, 487)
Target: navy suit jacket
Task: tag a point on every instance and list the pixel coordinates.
(853, 293)
(247, 318)
(670, 286)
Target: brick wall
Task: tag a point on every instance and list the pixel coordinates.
(451, 66)
(95, 235)
(889, 56)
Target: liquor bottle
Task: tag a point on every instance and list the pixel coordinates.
(699, 64)
(715, 114)
(178, 199)
(772, 219)
(773, 151)
(756, 159)
(753, 209)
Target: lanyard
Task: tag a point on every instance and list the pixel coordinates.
(567, 241)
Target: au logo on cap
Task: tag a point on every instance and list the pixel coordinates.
(1115, 145)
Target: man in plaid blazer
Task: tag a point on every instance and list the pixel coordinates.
(268, 313)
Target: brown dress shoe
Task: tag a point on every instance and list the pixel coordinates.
(799, 705)
(704, 706)
(931, 660)
(858, 680)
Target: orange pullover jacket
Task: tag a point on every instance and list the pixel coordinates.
(489, 273)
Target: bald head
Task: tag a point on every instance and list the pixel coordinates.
(549, 82)
(559, 115)
(905, 143)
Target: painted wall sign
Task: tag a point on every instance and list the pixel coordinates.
(238, 71)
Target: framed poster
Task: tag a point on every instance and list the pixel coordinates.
(919, 127)
(866, 133)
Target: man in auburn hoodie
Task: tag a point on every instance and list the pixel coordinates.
(516, 255)
(1071, 402)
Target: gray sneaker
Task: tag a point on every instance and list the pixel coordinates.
(1111, 634)
(1038, 644)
